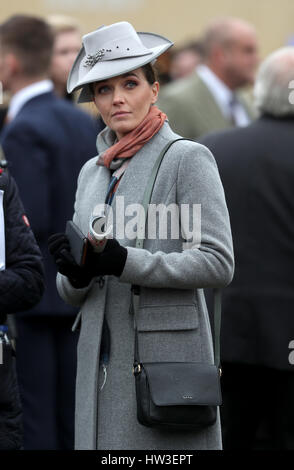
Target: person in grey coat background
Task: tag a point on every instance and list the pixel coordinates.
(113, 69)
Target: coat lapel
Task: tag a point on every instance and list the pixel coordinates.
(133, 183)
(244, 99)
(208, 110)
(131, 190)
(95, 193)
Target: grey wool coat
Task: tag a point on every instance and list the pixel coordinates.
(173, 323)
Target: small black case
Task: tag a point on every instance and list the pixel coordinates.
(78, 242)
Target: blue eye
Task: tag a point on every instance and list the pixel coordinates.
(103, 89)
(131, 84)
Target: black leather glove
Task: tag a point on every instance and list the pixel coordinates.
(59, 248)
(110, 262)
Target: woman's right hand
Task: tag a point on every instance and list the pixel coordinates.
(59, 248)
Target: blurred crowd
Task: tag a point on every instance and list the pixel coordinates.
(213, 90)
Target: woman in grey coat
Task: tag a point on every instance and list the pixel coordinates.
(113, 69)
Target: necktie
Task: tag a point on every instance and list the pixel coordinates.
(232, 105)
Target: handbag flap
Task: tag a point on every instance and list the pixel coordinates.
(183, 383)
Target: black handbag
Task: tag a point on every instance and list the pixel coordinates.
(176, 395)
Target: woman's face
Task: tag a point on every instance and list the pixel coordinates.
(124, 101)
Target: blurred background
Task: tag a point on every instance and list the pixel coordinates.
(180, 21)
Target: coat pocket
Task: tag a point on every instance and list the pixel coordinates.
(167, 318)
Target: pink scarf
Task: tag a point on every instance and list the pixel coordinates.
(128, 145)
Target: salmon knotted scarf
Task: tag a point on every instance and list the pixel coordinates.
(132, 142)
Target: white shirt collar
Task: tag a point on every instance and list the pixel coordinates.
(220, 91)
(223, 96)
(25, 94)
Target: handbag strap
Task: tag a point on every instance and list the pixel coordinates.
(140, 243)
(148, 192)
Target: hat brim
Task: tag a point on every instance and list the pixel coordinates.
(112, 68)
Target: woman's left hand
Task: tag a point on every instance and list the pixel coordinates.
(111, 261)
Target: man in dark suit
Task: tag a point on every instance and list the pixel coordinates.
(46, 143)
(256, 166)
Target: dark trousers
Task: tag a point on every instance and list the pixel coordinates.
(46, 367)
(258, 408)
(11, 435)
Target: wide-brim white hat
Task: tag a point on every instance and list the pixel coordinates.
(111, 51)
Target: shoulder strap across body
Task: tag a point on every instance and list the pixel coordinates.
(140, 244)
